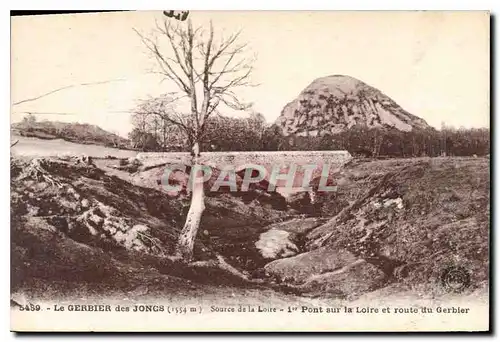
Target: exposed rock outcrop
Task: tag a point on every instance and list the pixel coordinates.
(335, 103)
(329, 270)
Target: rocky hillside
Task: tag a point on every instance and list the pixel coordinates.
(335, 103)
(400, 221)
(76, 227)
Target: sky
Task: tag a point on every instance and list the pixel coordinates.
(433, 64)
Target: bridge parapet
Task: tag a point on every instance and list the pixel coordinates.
(240, 159)
(289, 171)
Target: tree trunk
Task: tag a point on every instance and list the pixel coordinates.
(185, 244)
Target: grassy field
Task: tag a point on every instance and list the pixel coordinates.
(80, 133)
(28, 146)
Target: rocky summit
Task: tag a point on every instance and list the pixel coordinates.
(335, 103)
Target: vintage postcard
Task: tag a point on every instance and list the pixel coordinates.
(180, 170)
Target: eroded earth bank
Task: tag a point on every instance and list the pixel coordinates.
(106, 229)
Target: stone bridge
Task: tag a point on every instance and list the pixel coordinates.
(277, 164)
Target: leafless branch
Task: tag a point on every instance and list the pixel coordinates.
(166, 66)
(64, 88)
(195, 59)
(45, 113)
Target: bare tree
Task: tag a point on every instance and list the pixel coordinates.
(206, 70)
(155, 116)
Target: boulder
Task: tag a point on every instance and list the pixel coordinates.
(327, 270)
(349, 282)
(303, 266)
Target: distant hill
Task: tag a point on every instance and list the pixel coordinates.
(73, 132)
(336, 103)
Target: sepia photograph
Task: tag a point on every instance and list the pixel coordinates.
(291, 171)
